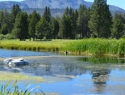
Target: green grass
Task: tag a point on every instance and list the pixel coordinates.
(10, 87)
(97, 47)
(6, 89)
(54, 45)
(89, 46)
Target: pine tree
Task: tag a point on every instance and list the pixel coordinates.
(42, 28)
(100, 19)
(21, 26)
(4, 22)
(54, 27)
(15, 10)
(33, 20)
(68, 24)
(65, 25)
(83, 18)
(74, 18)
(118, 27)
(47, 14)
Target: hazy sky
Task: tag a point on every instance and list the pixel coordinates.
(119, 3)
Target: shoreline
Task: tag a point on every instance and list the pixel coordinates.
(34, 57)
(57, 56)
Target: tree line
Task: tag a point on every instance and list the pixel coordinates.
(96, 21)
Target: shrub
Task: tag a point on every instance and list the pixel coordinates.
(1, 36)
(9, 36)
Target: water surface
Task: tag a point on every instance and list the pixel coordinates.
(75, 75)
(16, 53)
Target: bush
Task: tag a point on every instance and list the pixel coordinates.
(9, 36)
(1, 36)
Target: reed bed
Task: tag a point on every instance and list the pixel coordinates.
(97, 47)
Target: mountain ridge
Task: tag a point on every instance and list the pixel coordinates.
(61, 4)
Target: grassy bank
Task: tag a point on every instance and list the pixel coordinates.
(80, 47)
(54, 45)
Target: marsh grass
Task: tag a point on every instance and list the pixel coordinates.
(97, 47)
(11, 88)
(16, 90)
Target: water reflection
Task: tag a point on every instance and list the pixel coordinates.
(53, 68)
(100, 77)
(103, 60)
(68, 66)
(62, 71)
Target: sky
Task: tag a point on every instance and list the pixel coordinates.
(12, 0)
(118, 3)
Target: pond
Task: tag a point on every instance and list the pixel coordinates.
(73, 75)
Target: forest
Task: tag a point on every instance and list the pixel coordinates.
(94, 22)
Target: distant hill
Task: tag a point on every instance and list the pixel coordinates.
(61, 4)
(57, 6)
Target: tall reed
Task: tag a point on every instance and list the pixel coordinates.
(15, 90)
(97, 46)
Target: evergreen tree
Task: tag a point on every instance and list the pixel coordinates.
(42, 28)
(4, 29)
(21, 26)
(100, 19)
(83, 18)
(47, 14)
(33, 20)
(68, 24)
(54, 27)
(73, 17)
(118, 27)
(65, 27)
(4, 22)
(15, 10)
